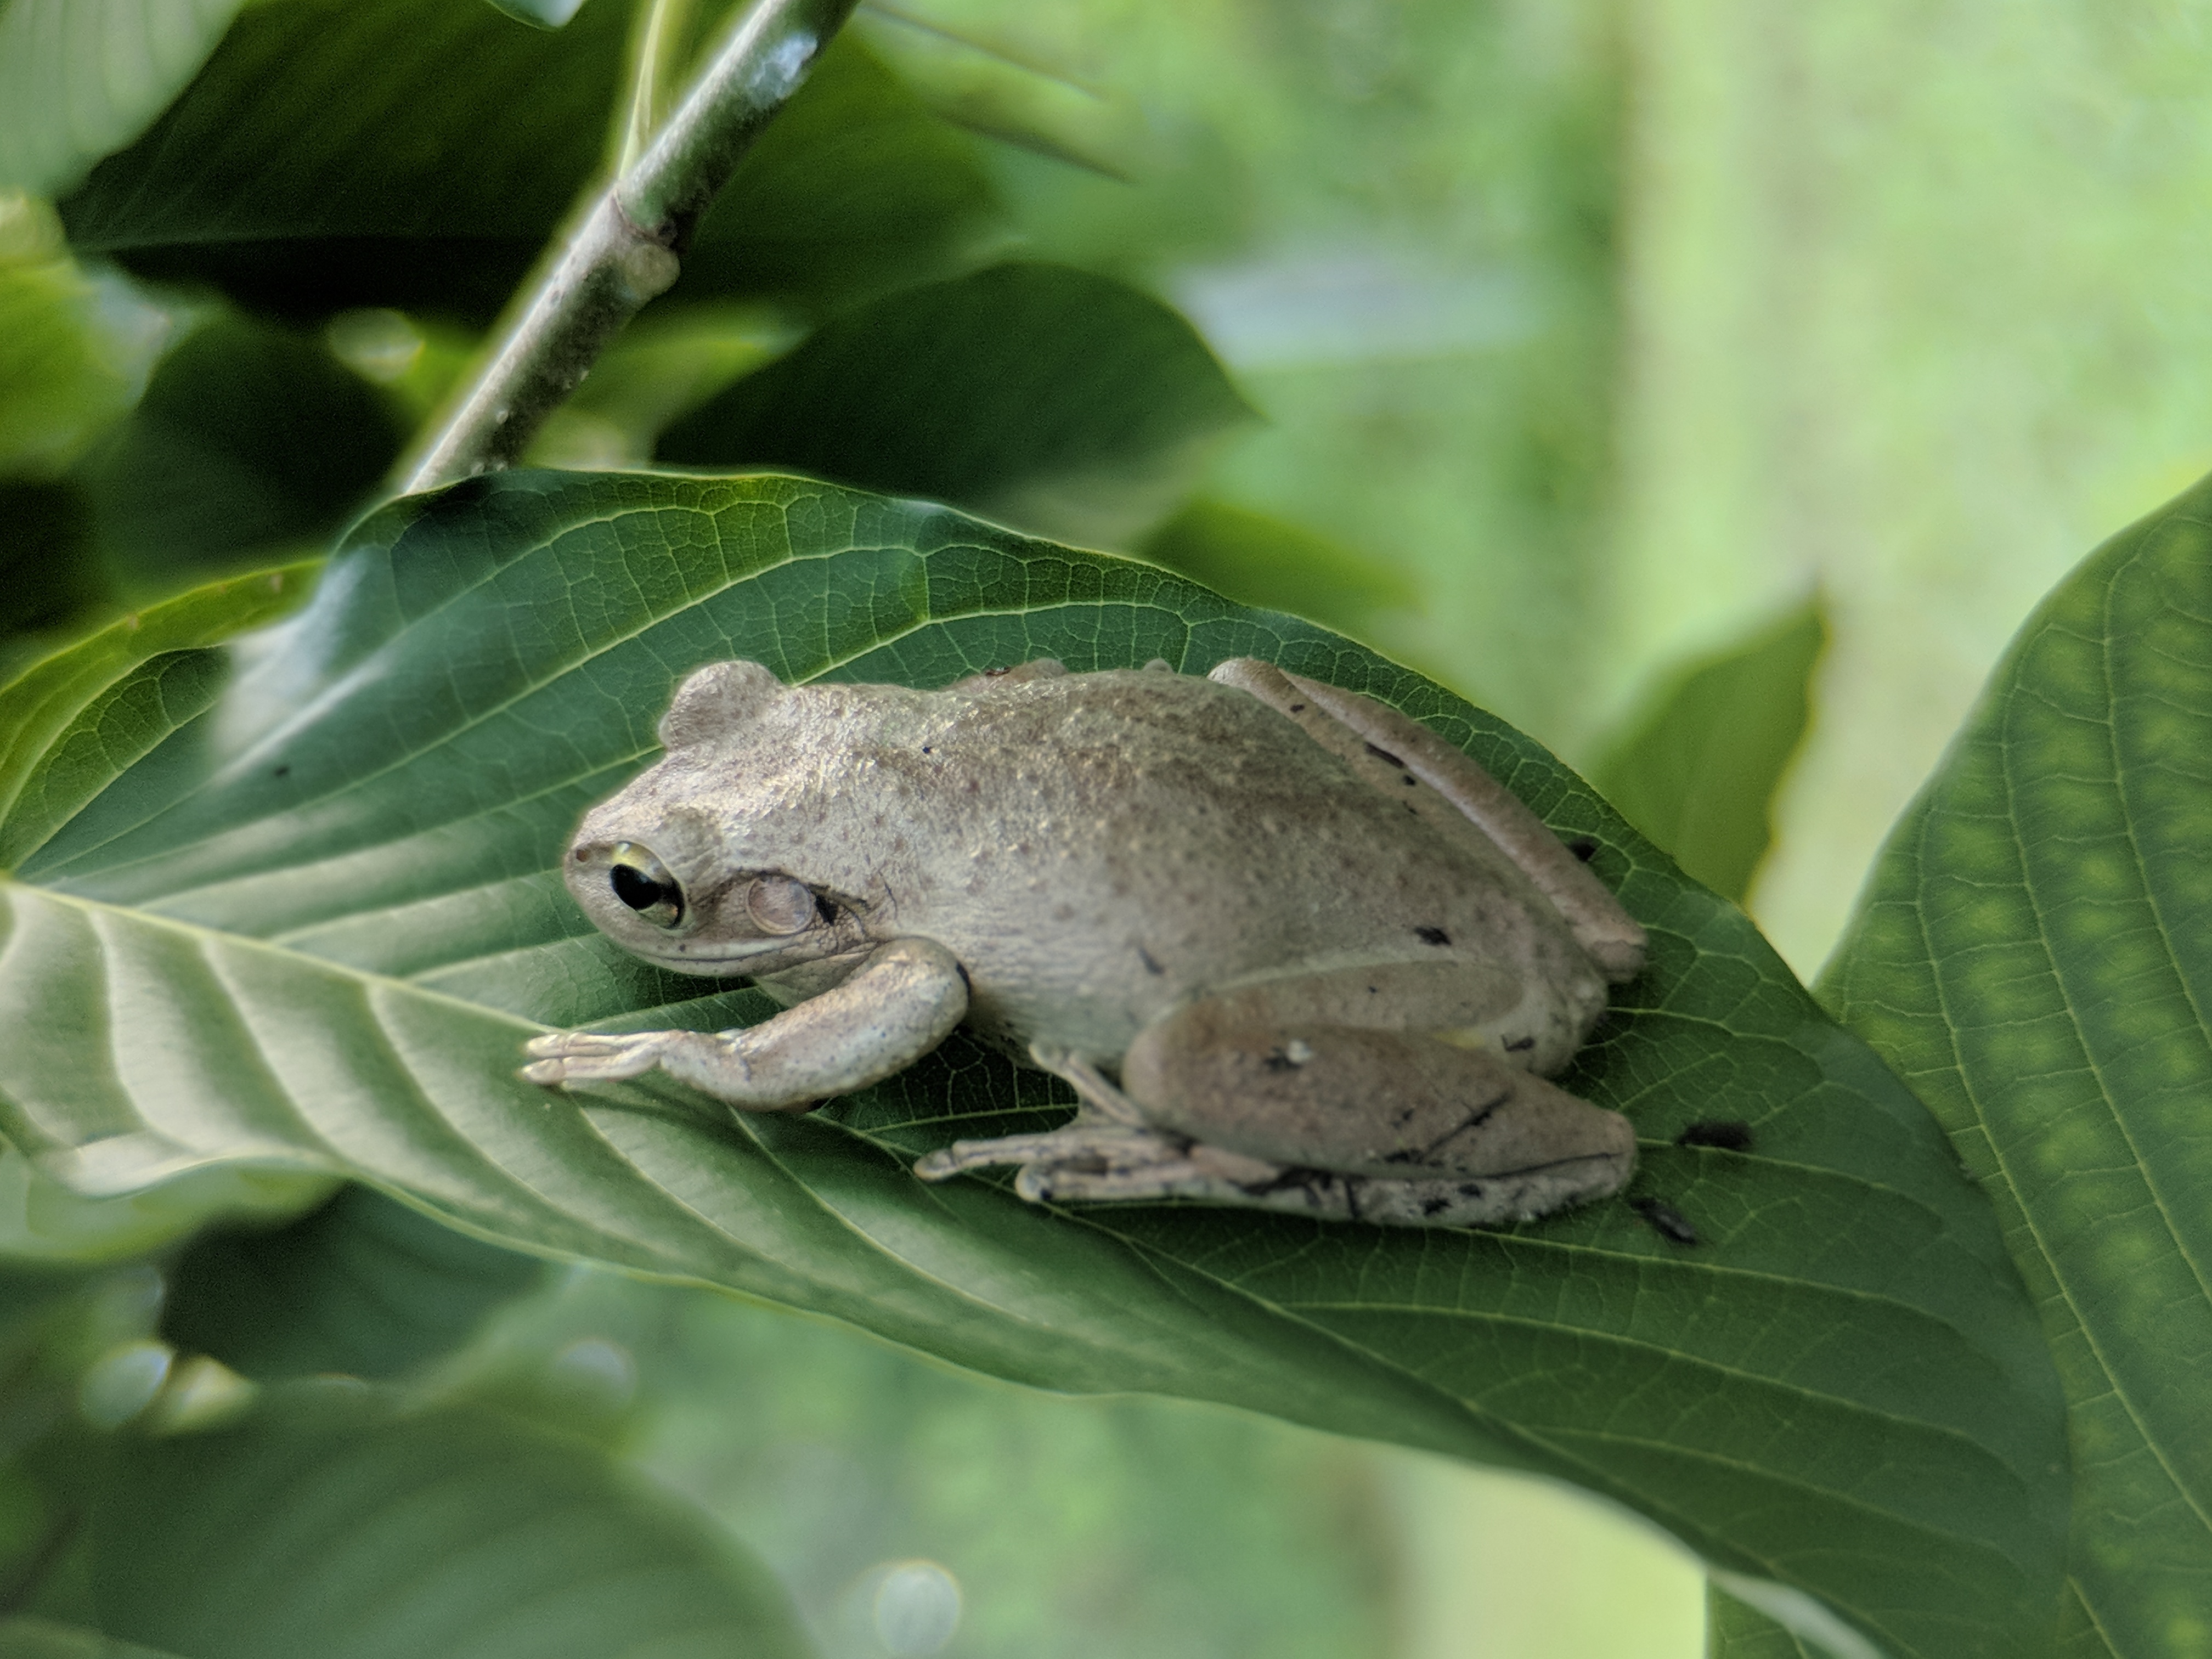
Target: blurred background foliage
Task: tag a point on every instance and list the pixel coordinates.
(1707, 387)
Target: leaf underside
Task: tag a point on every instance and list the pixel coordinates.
(2035, 955)
(294, 901)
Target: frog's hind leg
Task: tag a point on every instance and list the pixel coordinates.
(1408, 1126)
(1387, 748)
(1421, 1133)
(1177, 1169)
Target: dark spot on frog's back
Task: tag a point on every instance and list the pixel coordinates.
(1432, 936)
(1386, 757)
(1151, 966)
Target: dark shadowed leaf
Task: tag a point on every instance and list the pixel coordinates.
(79, 78)
(333, 1522)
(363, 1286)
(2035, 954)
(854, 186)
(1698, 770)
(313, 912)
(330, 155)
(1039, 395)
(49, 577)
(253, 442)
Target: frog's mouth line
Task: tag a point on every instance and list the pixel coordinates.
(754, 957)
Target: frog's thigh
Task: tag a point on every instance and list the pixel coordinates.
(1383, 1104)
(1369, 735)
(896, 1008)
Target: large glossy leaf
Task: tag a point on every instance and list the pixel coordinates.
(79, 78)
(334, 153)
(1044, 396)
(333, 1522)
(1698, 768)
(313, 912)
(2035, 954)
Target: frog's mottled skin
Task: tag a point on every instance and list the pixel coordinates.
(1293, 949)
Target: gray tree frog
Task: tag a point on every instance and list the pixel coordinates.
(1292, 949)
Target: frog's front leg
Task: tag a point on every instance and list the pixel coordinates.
(895, 1008)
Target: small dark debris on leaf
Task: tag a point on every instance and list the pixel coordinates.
(1729, 1134)
(1583, 847)
(1666, 1220)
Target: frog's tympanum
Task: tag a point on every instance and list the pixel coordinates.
(1291, 949)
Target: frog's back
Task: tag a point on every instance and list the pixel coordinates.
(1096, 847)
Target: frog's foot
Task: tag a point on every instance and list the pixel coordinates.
(1091, 1086)
(562, 1058)
(1092, 1146)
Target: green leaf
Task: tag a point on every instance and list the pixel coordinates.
(2034, 954)
(1696, 772)
(542, 14)
(70, 723)
(41, 1639)
(364, 152)
(312, 924)
(74, 348)
(333, 1522)
(330, 155)
(989, 90)
(1735, 1630)
(41, 1221)
(79, 78)
(1043, 395)
(856, 186)
(50, 579)
(1258, 560)
(252, 444)
(363, 1286)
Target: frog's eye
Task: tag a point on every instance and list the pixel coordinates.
(778, 904)
(642, 882)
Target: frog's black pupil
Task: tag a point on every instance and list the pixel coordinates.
(639, 891)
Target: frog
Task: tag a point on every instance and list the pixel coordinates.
(1291, 949)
